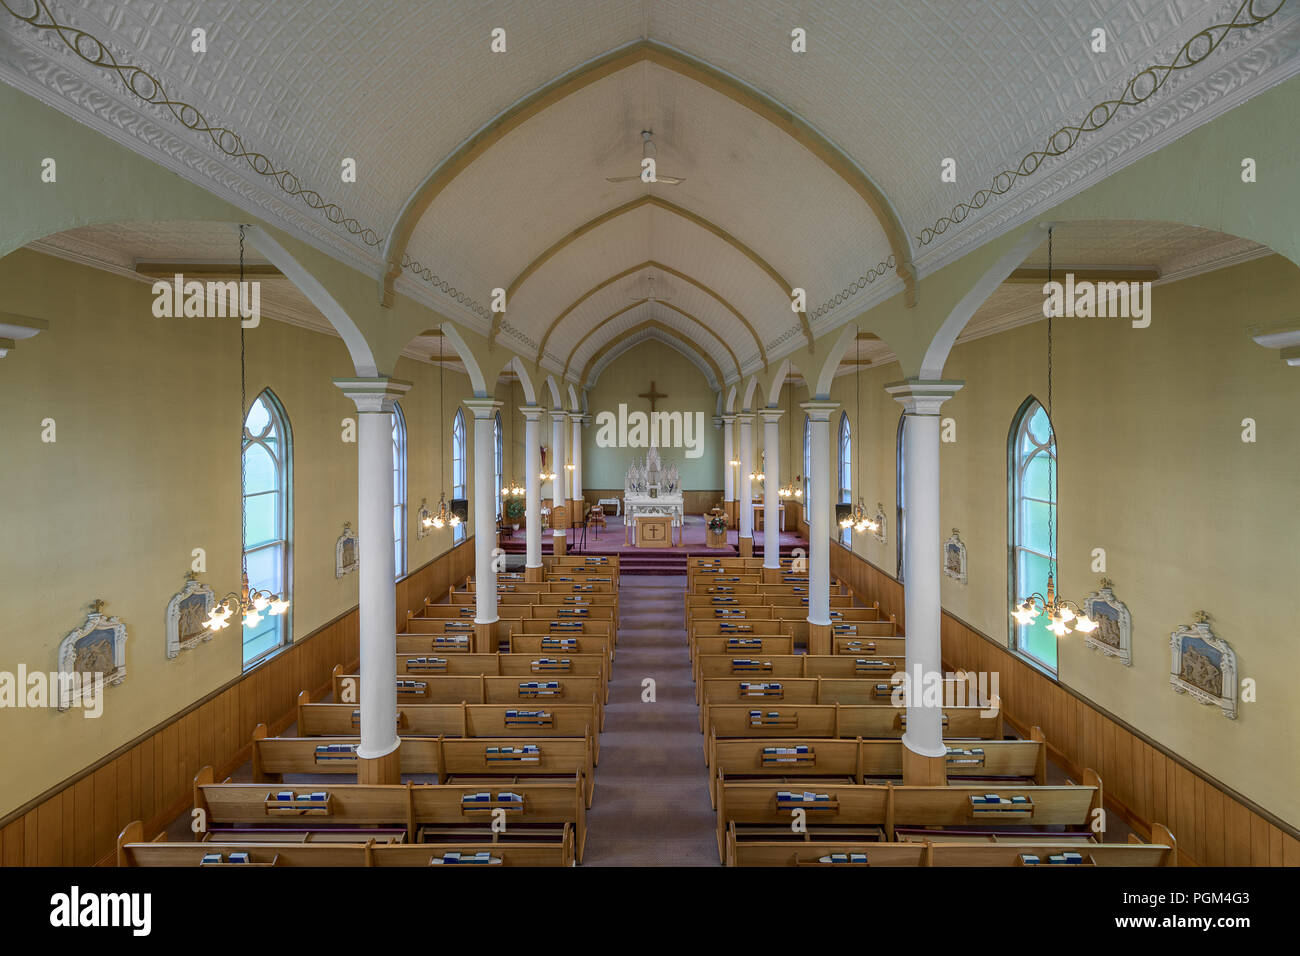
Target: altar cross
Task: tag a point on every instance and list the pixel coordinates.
(652, 395)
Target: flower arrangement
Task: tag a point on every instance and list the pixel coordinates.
(717, 524)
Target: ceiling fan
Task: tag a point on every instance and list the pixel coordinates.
(650, 292)
(649, 173)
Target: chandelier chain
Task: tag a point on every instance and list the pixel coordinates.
(243, 412)
(1051, 424)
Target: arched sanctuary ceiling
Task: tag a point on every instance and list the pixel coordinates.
(617, 347)
(886, 89)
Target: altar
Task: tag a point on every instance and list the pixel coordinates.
(651, 488)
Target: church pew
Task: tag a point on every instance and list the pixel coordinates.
(870, 721)
(870, 646)
(718, 598)
(509, 665)
(579, 560)
(444, 642)
(739, 645)
(438, 689)
(709, 564)
(1024, 760)
(1001, 852)
(759, 690)
(747, 579)
(863, 812)
(548, 601)
(787, 666)
(543, 623)
(438, 810)
(565, 644)
(133, 851)
(862, 621)
(741, 630)
(457, 720)
(544, 587)
(444, 757)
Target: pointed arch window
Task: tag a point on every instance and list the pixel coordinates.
(458, 469)
(845, 472)
(499, 461)
(900, 468)
(1031, 513)
(807, 466)
(399, 491)
(268, 507)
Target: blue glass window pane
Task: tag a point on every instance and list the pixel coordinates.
(1038, 475)
(265, 568)
(262, 514)
(260, 473)
(1036, 525)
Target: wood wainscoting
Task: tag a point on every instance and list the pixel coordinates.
(1144, 782)
(76, 823)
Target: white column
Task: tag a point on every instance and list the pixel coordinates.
(575, 488)
(557, 463)
(771, 488)
(744, 505)
(922, 560)
(728, 453)
(533, 484)
(377, 572)
(819, 518)
(484, 411)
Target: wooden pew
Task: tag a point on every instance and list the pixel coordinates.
(864, 760)
(863, 812)
(132, 850)
(580, 561)
(576, 625)
(510, 665)
(434, 640)
(519, 691)
(798, 665)
(563, 644)
(1004, 852)
(458, 720)
(761, 690)
(477, 757)
(869, 721)
(437, 810)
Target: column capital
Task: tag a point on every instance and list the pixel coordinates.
(819, 411)
(482, 408)
(531, 413)
(771, 415)
(578, 418)
(727, 418)
(743, 418)
(920, 396)
(373, 394)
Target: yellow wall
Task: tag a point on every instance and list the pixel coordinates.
(687, 391)
(145, 468)
(1153, 469)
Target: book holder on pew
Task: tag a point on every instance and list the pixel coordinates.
(245, 863)
(990, 806)
(426, 665)
(834, 859)
(529, 718)
(412, 690)
(796, 801)
(537, 688)
(1060, 861)
(334, 753)
(748, 666)
(965, 757)
(549, 665)
(296, 805)
(486, 802)
(523, 753)
(763, 689)
(778, 756)
(864, 666)
(773, 719)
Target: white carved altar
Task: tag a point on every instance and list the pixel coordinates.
(652, 488)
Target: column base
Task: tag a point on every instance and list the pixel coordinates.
(535, 575)
(819, 639)
(746, 547)
(559, 545)
(771, 575)
(485, 638)
(381, 770)
(922, 771)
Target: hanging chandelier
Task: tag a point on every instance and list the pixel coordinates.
(545, 475)
(859, 521)
(248, 602)
(757, 473)
(443, 516)
(1063, 617)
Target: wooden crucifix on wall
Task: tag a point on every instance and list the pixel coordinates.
(653, 395)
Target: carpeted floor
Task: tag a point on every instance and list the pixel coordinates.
(651, 805)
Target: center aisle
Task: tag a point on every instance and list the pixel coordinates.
(651, 805)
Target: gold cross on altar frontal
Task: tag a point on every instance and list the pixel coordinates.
(652, 395)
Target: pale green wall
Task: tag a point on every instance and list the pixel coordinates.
(1153, 469)
(687, 390)
(146, 468)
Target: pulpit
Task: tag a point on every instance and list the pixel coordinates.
(653, 531)
(715, 529)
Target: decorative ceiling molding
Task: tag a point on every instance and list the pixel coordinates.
(682, 312)
(684, 64)
(638, 334)
(659, 203)
(1139, 89)
(649, 263)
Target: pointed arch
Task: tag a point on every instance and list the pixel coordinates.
(267, 506)
(1031, 525)
(661, 328)
(399, 490)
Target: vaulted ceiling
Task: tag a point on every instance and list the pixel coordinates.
(479, 170)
